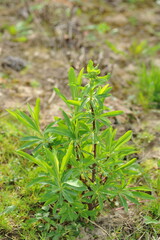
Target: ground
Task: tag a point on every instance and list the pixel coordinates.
(39, 41)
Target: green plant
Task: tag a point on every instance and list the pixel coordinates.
(149, 87)
(142, 48)
(21, 30)
(81, 162)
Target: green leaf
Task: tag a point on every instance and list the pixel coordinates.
(111, 114)
(40, 180)
(103, 89)
(131, 198)
(8, 210)
(28, 145)
(50, 194)
(36, 112)
(60, 131)
(140, 188)
(72, 76)
(66, 157)
(37, 161)
(79, 78)
(122, 140)
(67, 119)
(76, 185)
(67, 196)
(74, 102)
(28, 119)
(27, 122)
(127, 164)
(61, 96)
(143, 195)
(149, 220)
(30, 138)
(52, 157)
(123, 202)
(51, 200)
(72, 82)
(90, 66)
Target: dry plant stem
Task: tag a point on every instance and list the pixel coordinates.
(99, 227)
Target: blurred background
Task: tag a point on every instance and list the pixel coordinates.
(40, 40)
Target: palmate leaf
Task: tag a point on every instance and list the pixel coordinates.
(24, 118)
(130, 197)
(61, 131)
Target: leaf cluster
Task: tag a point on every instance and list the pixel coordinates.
(81, 161)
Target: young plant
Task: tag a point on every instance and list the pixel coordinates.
(149, 87)
(81, 162)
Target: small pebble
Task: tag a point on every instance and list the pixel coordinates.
(15, 63)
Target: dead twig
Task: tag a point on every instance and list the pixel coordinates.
(99, 227)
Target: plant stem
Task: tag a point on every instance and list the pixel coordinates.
(95, 145)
